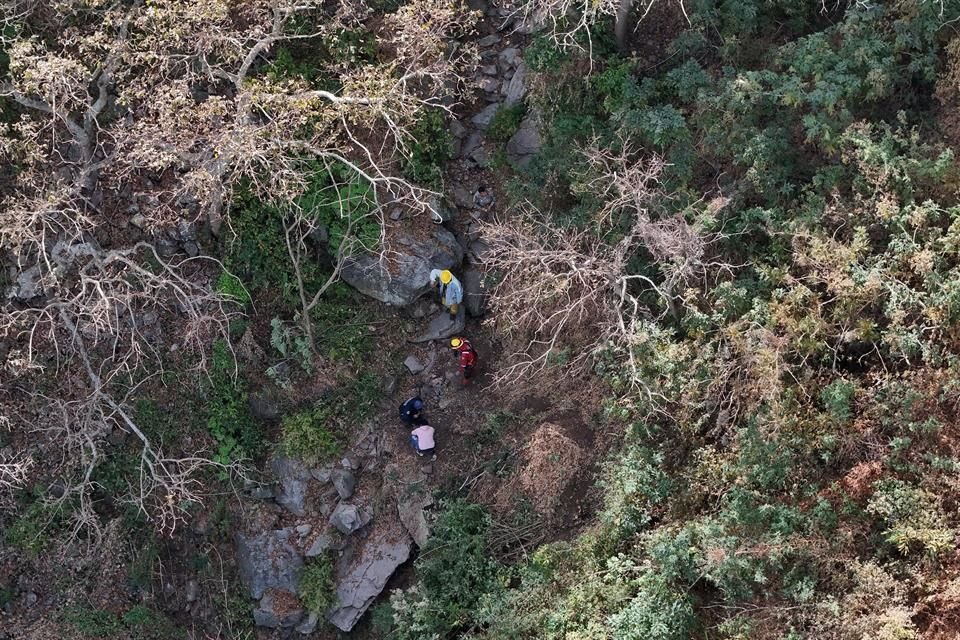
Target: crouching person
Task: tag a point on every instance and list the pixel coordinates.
(422, 440)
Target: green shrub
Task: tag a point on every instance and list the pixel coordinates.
(837, 399)
(306, 435)
(431, 148)
(38, 522)
(230, 286)
(316, 585)
(656, 611)
(506, 121)
(228, 414)
(913, 518)
(455, 570)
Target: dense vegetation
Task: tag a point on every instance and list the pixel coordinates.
(793, 472)
(783, 382)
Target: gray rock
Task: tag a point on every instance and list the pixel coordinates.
(443, 326)
(489, 85)
(410, 509)
(268, 561)
(481, 157)
(462, 197)
(526, 142)
(303, 529)
(30, 599)
(350, 462)
(322, 475)
(261, 493)
(389, 384)
(309, 624)
(262, 407)
(191, 591)
(457, 129)
(407, 277)
(28, 285)
(396, 214)
(139, 221)
(365, 575)
(482, 120)
(517, 87)
(273, 612)
(509, 58)
(413, 364)
(292, 478)
(348, 518)
(489, 70)
(320, 544)
(488, 41)
(474, 293)
(472, 143)
(191, 248)
(344, 482)
(440, 212)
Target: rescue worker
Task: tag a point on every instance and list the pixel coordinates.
(449, 288)
(422, 440)
(467, 356)
(410, 411)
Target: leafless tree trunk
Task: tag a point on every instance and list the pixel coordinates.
(622, 25)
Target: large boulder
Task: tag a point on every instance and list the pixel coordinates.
(268, 561)
(517, 87)
(410, 506)
(526, 142)
(474, 293)
(362, 575)
(348, 518)
(292, 478)
(278, 608)
(443, 326)
(402, 274)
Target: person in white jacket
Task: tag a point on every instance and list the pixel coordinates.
(450, 289)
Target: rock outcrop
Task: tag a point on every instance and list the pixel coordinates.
(363, 574)
(403, 274)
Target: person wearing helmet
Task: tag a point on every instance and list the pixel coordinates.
(449, 288)
(466, 355)
(411, 411)
(422, 440)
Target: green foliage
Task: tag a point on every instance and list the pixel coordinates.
(228, 415)
(506, 121)
(455, 571)
(138, 623)
(656, 611)
(913, 518)
(318, 433)
(230, 286)
(38, 523)
(306, 436)
(335, 198)
(316, 585)
(338, 326)
(431, 148)
(290, 342)
(837, 398)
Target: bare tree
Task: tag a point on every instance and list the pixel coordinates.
(167, 101)
(568, 22)
(566, 291)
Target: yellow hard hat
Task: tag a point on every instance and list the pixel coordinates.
(446, 277)
(455, 343)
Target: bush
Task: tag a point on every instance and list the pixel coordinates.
(506, 122)
(913, 518)
(657, 612)
(455, 570)
(230, 286)
(431, 148)
(228, 414)
(316, 585)
(306, 436)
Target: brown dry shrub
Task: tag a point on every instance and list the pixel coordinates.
(858, 483)
(550, 461)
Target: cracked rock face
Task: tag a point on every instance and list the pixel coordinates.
(268, 561)
(364, 575)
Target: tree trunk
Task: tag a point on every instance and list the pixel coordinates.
(622, 25)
